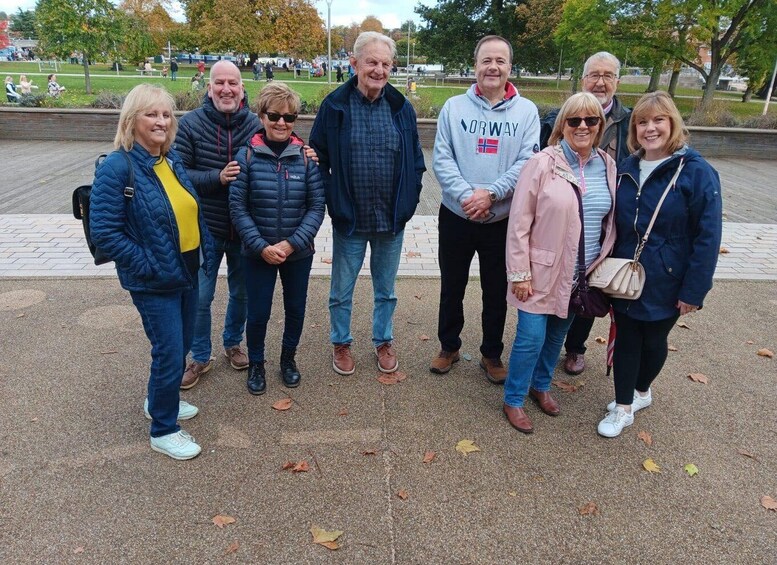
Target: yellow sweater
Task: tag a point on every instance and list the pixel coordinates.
(184, 206)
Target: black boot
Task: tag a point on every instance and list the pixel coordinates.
(256, 382)
(289, 372)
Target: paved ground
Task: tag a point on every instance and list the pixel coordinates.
(79, 484)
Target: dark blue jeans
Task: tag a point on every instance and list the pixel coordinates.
(260, 286)
(168, 319)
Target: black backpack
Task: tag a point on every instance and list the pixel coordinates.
(81, 197)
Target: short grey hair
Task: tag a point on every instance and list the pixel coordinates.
(367, 37)
(603, 56)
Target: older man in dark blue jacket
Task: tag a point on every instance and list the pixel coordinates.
(208, 139)
(366, 137)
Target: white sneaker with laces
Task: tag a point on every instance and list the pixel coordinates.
(614, 422)
(180, 445)
(637, 404)
(186, 411)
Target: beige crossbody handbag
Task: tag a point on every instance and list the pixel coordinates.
(625, 278)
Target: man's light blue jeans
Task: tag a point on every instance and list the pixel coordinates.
(235, 320)
(538, 341)
(347, 259)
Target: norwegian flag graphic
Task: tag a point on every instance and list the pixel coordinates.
(489, 145)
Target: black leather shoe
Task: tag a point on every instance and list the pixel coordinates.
(289, 372)
(256, 382)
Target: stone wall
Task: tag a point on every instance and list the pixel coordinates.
(100, 125)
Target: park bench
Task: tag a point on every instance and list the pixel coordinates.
(152, 72)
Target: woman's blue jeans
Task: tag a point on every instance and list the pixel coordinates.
(260, 286)
(168, 319)
(348, 253)
(538, 341)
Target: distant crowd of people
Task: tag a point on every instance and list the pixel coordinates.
(540, 202)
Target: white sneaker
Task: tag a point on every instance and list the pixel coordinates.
(614, 422)
(637, 404)
(180, 445)
(186, 411)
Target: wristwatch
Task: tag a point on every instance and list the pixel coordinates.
(492, 195)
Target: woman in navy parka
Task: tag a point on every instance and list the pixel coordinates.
(155, 233)
(680, 255)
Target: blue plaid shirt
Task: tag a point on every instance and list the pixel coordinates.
(375, 157)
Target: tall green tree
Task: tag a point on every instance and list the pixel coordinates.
(535, 48)
(23, 24)
(583, 30)
(453, 27)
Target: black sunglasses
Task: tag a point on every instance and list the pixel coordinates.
(590, 121)
(275, 116)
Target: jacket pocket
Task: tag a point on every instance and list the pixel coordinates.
(674, 261)
(542, 261)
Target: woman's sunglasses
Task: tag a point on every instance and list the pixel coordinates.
(288, 118)
(590, 121)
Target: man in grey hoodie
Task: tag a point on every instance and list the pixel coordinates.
(483, 139)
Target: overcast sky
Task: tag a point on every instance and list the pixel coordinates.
(344, 12)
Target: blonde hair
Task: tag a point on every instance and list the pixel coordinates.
(658, 104)
(580, 102)
(277, 93)
(8, 79)
(140, 99)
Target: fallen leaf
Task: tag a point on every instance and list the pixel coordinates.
(538, 479)
(325, 538)
(79, 549)
(769, 503)
(343, 412)
(315, 325)
(423, 337)
(589, 509)
(691, 469)
(766, 353)
(723, 250)
(282, 404)
(403, 494)
(392, 378)
(232, 547)
(288, 465)
(683, 325)
(413, 254)
(466, 446)
(429, 456)
(417, 296)
(566, 387)
(109, 352)
(513, 493)
(34, 419)
(600, 339)
(22, 315)
(221, 520)
(646, 437)
(671, 348)
(301, 467)
(327, 260)
(651, 466)
(749, 342)
(698, 378)
(747, 454)
(370, 452)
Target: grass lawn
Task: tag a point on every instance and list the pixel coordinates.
(431, 97)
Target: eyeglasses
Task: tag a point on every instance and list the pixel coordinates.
(275, 116)
(609, 78)
(590, 121)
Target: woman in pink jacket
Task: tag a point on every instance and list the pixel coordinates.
(543, 236)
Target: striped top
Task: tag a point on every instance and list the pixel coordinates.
(597, 202)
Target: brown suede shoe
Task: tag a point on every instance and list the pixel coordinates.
(342, 361)
(387, 357)
(547, 403)
(518, 419)
(193, 372)
(444, 361)
(574, 363)
(237, 357)
(495, 371)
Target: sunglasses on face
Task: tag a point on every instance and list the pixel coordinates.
(274, 117)
(590, 121)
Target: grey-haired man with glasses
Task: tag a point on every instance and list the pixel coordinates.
(600, 78)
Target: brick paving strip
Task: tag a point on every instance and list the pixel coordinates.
(52, 245)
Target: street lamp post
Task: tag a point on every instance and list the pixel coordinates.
(329, 42)
(407, 67)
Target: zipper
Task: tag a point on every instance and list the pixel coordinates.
(171, 221)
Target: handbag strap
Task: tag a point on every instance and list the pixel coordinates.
(581, 280)
(669, 187)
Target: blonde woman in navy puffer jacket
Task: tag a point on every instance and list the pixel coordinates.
(277, 206)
